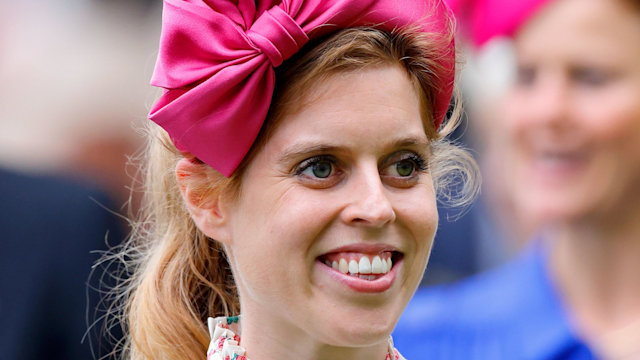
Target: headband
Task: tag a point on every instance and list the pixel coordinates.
(217, 58)
(483, 20)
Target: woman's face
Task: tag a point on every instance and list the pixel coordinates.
(573, 117)
(344, 181)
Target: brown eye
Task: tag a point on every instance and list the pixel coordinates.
(525, 75)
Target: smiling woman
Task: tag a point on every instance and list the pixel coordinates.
(317, 227)
(569, 144)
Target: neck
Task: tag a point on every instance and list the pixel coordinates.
(266, 336)
(596, 265)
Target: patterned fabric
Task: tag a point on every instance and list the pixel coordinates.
(225, 341)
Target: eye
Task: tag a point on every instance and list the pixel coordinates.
(590, 76)
(525, 75)
(319, 171)
(403, 169)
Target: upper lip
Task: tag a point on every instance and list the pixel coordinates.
(564, 147)
(365, 248)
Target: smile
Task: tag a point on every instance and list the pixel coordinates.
(362, 270)
(359, 265)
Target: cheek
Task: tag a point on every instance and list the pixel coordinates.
(279, 225)
(612, 123)
(418, 213)
(512, 117)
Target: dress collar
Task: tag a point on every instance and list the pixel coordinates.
(225, 340)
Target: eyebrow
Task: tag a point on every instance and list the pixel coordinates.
(410, 141)
(307, 148)
(304, 149)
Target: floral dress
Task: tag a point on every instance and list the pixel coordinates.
(225, 343)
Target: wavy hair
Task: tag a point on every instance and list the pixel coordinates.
(174, 276)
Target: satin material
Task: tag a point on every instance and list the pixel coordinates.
(217, 58)
(482, 20)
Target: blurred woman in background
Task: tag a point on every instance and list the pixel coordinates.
(571, 155)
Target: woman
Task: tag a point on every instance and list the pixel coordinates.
(317, 225)
(571, 125)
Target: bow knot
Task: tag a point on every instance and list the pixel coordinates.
(216, 63)
(277, 35)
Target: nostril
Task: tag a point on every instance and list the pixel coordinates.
(376, 215)
(368, 202)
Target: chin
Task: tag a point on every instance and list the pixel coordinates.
(556, 210)
(362, 335)
(358, 329)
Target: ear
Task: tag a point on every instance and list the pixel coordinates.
(207, 208)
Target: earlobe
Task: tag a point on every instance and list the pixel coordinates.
(207, 208)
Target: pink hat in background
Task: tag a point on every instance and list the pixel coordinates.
(483, 20)
(217, 58)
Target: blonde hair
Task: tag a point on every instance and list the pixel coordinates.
(175, 276)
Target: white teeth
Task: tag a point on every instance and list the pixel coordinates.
(353, 267)
(376, 265)
(364, 267)
(343, 266)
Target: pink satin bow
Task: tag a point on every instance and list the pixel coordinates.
(483, 20)
(217, 57)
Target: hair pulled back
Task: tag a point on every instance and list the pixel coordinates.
(175, 276)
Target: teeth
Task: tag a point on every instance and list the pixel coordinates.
(364, 267)
(343, 266)
(376, 265)
(353, 267)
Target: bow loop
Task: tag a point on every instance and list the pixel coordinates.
(277, 35)
(216, 63)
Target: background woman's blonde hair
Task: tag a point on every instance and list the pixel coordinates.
(174, 277)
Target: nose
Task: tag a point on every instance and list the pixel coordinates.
(368, 201)
(545, 103)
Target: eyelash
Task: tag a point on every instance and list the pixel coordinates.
(419, 162)
(306, 164)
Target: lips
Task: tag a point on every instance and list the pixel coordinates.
(553, 165)
(362, 268)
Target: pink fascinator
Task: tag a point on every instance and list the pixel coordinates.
(483, 20)
(217, 58)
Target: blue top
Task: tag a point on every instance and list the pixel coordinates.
(512, 312)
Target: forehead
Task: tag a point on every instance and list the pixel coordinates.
(595, 29)
(356, 106)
